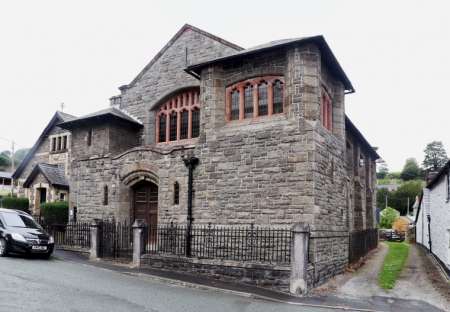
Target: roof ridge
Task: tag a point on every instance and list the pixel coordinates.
(171, 41)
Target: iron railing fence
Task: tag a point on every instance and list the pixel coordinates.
(72, 234)
(361, 242)
(116, 240)
(238, 243)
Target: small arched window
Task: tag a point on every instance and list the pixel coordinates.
(179, 117)
(235, 105)
(278, 97)
(176, 193)
(105, 195)
(248, 101)
(262, 99)
(262, 96)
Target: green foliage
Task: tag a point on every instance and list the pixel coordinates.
(55, 212)
(381, 197)
(399, 198)
(382, 170)
(393, 264)
(388, 216)
(411, 170)
(5, 162)
(12, 202)
(393, 175)
(435, 156)
(5, 157)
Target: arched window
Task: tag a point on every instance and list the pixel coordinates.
(195, 123)
(262, 96)
(176, 193)
(262, 99)
(278, 97)
(183, 111)
(173, 126)
(162, 128)
(248, 101)
(184, 125)
(235, 105)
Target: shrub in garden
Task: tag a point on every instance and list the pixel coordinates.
(13, 202)
(55, 212)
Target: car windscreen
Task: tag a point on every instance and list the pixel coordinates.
(16, 220)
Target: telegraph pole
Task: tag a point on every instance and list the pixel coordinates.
(13, 167)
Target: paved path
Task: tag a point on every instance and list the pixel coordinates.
(414, 283)
(60, 286)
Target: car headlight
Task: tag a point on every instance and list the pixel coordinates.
(51, 240)
(18, 237)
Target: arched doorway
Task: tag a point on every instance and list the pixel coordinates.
(145, 202)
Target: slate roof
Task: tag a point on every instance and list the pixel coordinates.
(327, 56)
(54, 175)
(57, 118)
(108, 114)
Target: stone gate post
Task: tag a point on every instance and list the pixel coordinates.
(299, 259)
(139, 227)
(95, 239)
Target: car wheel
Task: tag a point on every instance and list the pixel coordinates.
(3, 248)
(47, 255)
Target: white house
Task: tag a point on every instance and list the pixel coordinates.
(433, 217)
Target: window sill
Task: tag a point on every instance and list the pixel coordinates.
(178, 143)
(59, 152)
(257, 120)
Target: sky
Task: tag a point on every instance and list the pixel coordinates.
(396, 53)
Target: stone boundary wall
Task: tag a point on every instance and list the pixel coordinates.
(263, 275)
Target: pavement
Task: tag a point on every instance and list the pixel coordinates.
(69, 282)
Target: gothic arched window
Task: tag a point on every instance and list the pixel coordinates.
(277, 97)
(262, 99)
(178, 118)
(235, 105)
(248, 101)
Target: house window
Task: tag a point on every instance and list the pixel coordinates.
(59, 143)
(248, 101)
(89, 137)
(173, 126)
(183, 110)
(176, 193)
(184, 125)
(326, 110)
(234, 105)
(105, 195)
(53, 144)
(278, 97)
(62, 196)
(262, 96)
(262, 99)
(64, 144)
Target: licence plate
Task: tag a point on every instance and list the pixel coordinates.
(39, 247)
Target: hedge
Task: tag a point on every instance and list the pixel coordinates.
(55, 212)
(12, 202)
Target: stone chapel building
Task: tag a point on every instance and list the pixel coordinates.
(267, 124)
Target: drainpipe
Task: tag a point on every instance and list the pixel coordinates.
(190, 162)
(429, 232)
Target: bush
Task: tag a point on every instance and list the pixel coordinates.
(388, 216)
(12, 202)
(55, 212)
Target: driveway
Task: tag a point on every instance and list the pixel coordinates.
(59, 286)
(418, 282)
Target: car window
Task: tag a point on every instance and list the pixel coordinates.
(1, 224)
(16, 220)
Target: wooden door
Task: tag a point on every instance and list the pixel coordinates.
(145, 203)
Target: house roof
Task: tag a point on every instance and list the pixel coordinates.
(438, 176)
(349, 126)
(6, 175)
(171, 42)
(327, 56)
(108, 114)
(56, 119)
(54, 175)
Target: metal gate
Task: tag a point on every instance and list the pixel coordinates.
(116, 240)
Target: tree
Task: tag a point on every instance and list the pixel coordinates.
(435, 156)
(5, 158)
(399, 198)
(388, 216)
(411, 170)
(382, 170)
(381, 197)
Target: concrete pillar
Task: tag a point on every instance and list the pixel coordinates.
(139, 227)
(299, 259)
(95, 239)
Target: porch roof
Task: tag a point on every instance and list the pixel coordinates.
(54, 175)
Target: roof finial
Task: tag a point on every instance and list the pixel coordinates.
(62, 106)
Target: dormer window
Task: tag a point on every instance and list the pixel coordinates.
(178, 118)
(252, 98)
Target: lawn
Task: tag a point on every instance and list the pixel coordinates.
(393, 264)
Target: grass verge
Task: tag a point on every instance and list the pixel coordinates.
(393, 264)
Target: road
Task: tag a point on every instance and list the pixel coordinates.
(60, 285)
